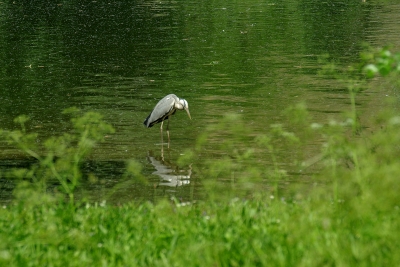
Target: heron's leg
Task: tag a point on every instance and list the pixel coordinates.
(168, 130)
(162, 151)
(161, 132)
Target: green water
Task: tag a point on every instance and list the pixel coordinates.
(119, 58)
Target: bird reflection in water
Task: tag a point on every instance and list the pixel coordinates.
(168, 172)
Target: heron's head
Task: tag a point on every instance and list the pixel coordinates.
(185, 106)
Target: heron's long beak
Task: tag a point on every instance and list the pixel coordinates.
(187, 110)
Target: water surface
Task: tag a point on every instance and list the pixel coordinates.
(119, 58)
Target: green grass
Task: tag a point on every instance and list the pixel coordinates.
(257, 232)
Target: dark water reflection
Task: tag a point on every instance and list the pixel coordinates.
(119, 58)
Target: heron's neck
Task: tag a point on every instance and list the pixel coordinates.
(178, 105)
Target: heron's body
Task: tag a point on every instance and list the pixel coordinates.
(164, 109)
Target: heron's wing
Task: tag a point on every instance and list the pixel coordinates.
(161, 111)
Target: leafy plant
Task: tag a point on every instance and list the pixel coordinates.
(347, 149)
(381, 62)
(235, 164)
(60, 157)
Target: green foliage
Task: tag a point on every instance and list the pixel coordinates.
(60, 157)
(257, 232)
(233, 167)
(232, 162)
(352, 160)
(381, 62)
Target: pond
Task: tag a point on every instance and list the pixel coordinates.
(119, 58)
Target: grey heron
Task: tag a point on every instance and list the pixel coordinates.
(164, 109)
